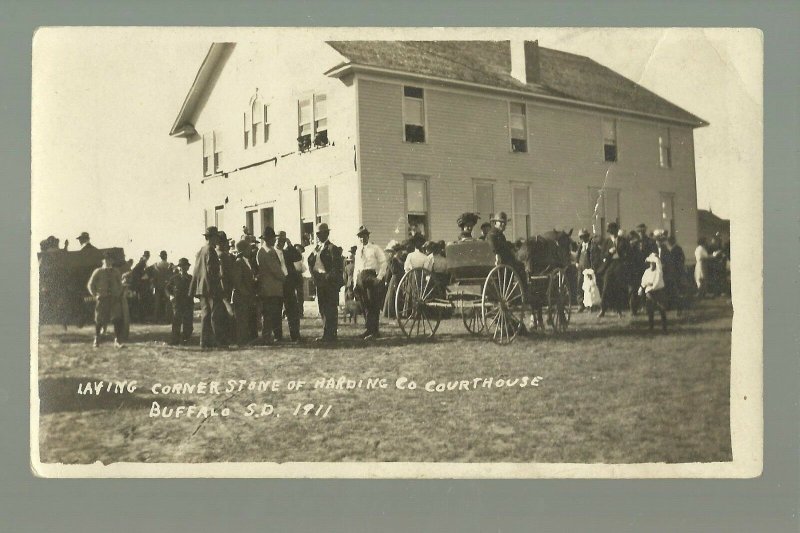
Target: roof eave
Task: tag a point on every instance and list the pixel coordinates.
(351, 68)
(209, 63)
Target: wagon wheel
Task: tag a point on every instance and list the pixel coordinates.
(559, 303)
(472, 315)
(417, 314)
(503, 304)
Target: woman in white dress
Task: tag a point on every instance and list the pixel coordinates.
(701, 266)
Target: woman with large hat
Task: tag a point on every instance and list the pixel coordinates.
(466, 222)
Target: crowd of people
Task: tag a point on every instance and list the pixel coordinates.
(246, 288)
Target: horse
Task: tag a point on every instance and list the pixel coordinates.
(542, 255)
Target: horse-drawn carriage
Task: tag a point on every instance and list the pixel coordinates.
(492, 297)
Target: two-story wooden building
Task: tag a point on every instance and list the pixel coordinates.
(400, 134)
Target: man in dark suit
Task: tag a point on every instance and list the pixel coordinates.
(177, 289)
(292, 283)
(245, 294)
(500, 245)
(327, 269)
(614, 252)
(207, 286)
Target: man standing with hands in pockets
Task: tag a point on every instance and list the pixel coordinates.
(327, 269)
(369, 270)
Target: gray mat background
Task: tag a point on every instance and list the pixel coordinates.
(769, 503)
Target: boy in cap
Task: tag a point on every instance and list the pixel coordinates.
(177, 289)
(245, 294)
(105, 286)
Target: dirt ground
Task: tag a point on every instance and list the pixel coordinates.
(608, 391)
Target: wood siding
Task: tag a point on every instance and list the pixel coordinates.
(467, 139)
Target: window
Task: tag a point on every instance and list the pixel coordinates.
(484, 198)
(320, 120)
(417, 206)
(664, 150)
(610, 140)
(212, 153)
(322, 204)
(518, 125)
(312, 122)
(208, 152)
(521, 211)
(219, 216)
(307, 214)
(256, 122)
(314, 208)
(217, 151)
(604, 206)
(250, 222)
(668, 212)
(414, 114)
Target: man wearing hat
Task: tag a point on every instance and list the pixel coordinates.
(226, 267)
(271, 276)
(160, 274)
(293, 283)
(368, 271)
(615, 252)
(502, 248)
(84, 241)
(326, 266)
(105, 286)
(207, 286)
(245, 294)
(177, 289)
(586, 258)
(466, 222)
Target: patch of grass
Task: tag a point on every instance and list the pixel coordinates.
(611, 392)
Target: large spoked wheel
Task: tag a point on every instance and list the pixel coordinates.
(472, 315)
(559, 303)
(418, 314)
(503, 304)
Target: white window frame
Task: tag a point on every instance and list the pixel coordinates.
(661, 196)
(665, 162)
(426, 198)
(208, 153)
(525, 127)
(217, 152)
(529, 220)
(313, 99)
(475, 184)
(615, 125)
(425, 130)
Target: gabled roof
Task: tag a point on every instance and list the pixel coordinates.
(561, 75)
(200, 89)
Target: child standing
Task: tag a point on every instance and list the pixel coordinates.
(591, 292)
(652, 287)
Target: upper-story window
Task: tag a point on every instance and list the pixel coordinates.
(212, 153)
(414, 114)
(610, 140)
(256, 122)
(312, 121)
(518, 125)
(664, 149)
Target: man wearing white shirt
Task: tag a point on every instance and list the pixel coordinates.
(368, 271)
(417, 258)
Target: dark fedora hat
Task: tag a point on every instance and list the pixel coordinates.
(211, 231)
(269, 233)
(183, 261)
(362, 230)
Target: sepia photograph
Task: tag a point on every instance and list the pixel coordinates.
(396, 252)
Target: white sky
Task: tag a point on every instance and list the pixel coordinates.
(104, 100)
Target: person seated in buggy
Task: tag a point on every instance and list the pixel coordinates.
(466, 222)
(504, 250)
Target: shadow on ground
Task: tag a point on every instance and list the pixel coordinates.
(59, 395)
